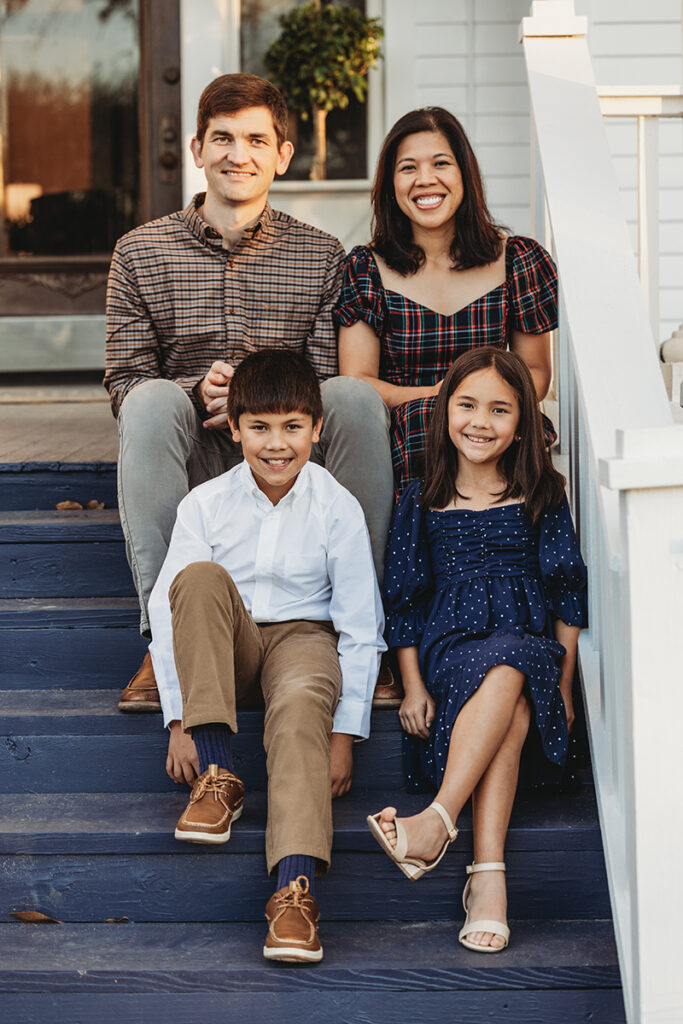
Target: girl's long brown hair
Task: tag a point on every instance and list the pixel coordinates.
(478, 238)
(525, 466)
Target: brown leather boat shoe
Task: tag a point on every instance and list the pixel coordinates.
(292, 915)
(215, 802)
(387, 689)
(141, 694)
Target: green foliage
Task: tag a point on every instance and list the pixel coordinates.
(322, 56)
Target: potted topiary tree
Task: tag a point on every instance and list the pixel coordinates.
(319, 60)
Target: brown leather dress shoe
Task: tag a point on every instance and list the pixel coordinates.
(141, 694)
(387, 689)
(292, 915)
(215, 802)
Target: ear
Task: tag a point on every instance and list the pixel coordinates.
(317, 427)
(196, 149)
(285, 155)
(235, 431)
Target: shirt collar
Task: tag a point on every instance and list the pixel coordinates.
(205, 233)
(301, 485)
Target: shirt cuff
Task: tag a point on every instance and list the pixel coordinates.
(353, 717)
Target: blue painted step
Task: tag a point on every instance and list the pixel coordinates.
(63, 554)
(554, 973)
(40, 485)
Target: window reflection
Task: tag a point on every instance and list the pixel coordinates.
(68, 93)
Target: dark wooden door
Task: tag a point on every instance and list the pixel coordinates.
(91, 123)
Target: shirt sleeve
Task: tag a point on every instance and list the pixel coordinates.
(532, 286)
(562, 568)
(188, 544)
(321, 344)
(132, 350)
(362, 294)
(408, 582)
(357, 616)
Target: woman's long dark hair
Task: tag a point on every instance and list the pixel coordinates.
(478, 238)
(525, 466)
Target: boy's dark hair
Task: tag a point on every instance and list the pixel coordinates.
(230, 93)
(478, 238)
(525, 465)
(274, 380)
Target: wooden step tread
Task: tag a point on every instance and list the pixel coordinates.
(89, 823)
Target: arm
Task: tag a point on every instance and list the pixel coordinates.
(568, 636)
(359, 354)
(321, 343)
(417, 707)
(534, 350)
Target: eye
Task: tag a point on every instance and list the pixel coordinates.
(465, 405)
(499, 410)
(293, 427)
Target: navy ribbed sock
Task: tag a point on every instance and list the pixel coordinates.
(214, 745)
(290, 868)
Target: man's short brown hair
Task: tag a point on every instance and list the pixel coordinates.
(230, 93)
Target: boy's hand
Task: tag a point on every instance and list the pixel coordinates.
(182, 763)
(341, 763)
(417, 712)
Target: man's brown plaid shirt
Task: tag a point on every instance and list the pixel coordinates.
(177, 300)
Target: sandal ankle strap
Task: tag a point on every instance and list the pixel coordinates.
(492, 865)
(446, 819)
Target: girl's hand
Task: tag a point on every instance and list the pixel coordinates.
(569, 710)
(416, 713)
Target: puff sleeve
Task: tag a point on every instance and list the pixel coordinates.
(532, 286)
(562, 568)
(362, 294)
(408, 581)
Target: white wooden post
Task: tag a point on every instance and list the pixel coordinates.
(648, 217)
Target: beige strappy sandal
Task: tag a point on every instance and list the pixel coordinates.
(412, 867)
(497, 927)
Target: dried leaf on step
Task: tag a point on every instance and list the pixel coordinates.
(94, 503)
(116, 920)
(34, 917)
(68, 505)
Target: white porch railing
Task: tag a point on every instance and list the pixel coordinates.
(626, 481)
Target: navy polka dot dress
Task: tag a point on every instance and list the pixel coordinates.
(475, 589)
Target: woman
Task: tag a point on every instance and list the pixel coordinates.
(440, 277)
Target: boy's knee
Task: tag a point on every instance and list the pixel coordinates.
(201, 578)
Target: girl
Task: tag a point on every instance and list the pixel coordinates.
(439, 277)
(485, 594)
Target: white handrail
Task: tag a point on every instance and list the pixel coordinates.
(626, 484)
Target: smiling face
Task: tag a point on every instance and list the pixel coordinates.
(277, 446)
(240, 156)
(427, 180)
(483, 416)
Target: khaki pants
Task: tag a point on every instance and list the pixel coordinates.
(223, 658)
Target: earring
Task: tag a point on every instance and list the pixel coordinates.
(518, 437)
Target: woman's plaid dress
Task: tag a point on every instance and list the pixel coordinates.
(418, 345)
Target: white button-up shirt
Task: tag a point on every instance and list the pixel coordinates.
(308, 557)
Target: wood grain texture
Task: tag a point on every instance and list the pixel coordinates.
(64, 569)
(96, 657)
(67, 613)
(42, 485)
(228, 886)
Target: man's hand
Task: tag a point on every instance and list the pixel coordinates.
(213, 394)
(341, 763)
(182, 763)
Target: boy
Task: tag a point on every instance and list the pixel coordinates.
(269, 580)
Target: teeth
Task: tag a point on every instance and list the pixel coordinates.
(428, 200)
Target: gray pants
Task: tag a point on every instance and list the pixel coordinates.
(165, 451)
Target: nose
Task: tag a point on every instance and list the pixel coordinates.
(277, 440)
(425, 174)
(238, 152)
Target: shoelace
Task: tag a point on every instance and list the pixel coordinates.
(295, 894)
(212, 784)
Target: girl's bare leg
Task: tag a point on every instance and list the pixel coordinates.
(492, 802)
(478, 734)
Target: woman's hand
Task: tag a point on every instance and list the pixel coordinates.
(569, 709)
(416, 712)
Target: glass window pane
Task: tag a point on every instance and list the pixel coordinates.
(68, 108)
(346, 129)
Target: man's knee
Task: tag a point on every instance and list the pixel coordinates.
(154, 407)
(355, 403)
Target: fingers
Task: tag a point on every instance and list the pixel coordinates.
(219, 422)
(220, 367)
(217, 405)
(189, 772)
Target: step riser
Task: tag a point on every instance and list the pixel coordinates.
(96, 569)
(310, 1006)
(218, 885)
(42, 489)
(135, 764)
(78, 659)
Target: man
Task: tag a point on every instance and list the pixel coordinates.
(193, 293)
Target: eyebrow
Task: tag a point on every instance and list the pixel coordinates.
(497, 401)
(433, 157)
